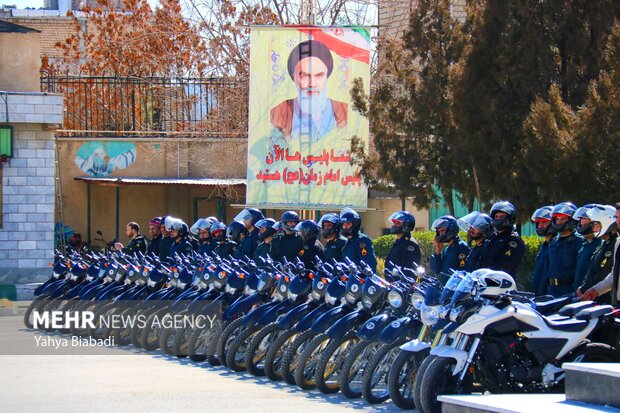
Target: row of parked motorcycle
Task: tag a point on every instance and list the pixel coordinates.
(405, 336)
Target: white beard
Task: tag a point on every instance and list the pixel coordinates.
(313, 105)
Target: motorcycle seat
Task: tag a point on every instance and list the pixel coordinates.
(553, 305)
(594, 312)
(572, 309)
(570, 325)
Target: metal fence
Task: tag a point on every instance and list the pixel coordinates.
(130, 106)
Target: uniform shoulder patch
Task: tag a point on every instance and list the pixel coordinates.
(513, 244)
(608, 254)
(462, 256)
(411, 248)
(362, 245)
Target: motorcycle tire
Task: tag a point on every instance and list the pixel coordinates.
(417, 383)
(148, 337)
(258, 347)
(332, 359)
(437, 380)
(275, 355)
(401, 379)
(195, 347)
(352, 371)
(235, 355)
(375, 379)
(229, 334)
(307, 362)
(34, 305)
(292, 353)
(212, 348)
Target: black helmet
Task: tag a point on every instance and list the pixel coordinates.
(249, 214)
(235, 230)
(511, 215)
(289, 216)
(349, 215)
(582, 213)
(218, 231)
(268, 224)
(449, 223)
(307, 230)
(405, 221)
(567, 209)
(543, 214)
(334, 219)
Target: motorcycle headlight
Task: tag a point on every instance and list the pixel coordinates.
(118, 277)
(107, 279)
(151, 283)
(316, 296)
(429, 315)
(292, 296)
(367, 302)
(180, 284)
(329, 299)
(395, 299)
(73, 277)
(217, 284)
(127, 281)
(417, 300)
(261, 285)
(56, 274)
(248, 291)
(89, 278)
(229, 289)
(173, 282)
(456, 312)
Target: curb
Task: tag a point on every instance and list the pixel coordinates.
(18, 292)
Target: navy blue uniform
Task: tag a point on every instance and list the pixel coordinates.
(476, 258)
(154, 245)
(601, 264)
(333, 249)
(309, 251)
(541, 268)
(504, 252)
(135, 245)
(182, 247)
(359, 248)
(404, 252)
(207, 246)
(248, 245)
(286, 246)
(164, 247)
(452, 257)
(226, 249)
(562, 264)
(263, 250)
(583, 259)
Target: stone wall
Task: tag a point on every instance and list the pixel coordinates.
(27, 233)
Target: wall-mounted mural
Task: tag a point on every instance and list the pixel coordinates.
(99, 159)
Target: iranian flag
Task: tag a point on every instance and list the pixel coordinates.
(350, 42)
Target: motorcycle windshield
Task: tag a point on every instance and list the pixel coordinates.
(451, 286)
(463, 290)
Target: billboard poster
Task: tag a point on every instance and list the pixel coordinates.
(301, 118)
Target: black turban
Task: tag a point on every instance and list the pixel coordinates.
(310, 48)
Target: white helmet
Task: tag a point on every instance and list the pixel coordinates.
(493, 283)
(202, 223)
(606, 216)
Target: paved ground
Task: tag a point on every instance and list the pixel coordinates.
(136, 381)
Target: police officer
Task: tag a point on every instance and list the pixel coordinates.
(236, 233)
(450, 250)
(266, 231)
(329, 225)
(358, 247)
(542, 220)
(589, 245)
(225, 247)
(311, 248)
(167, 240)
(563, 250)
(249, 217)
(505, 249)
(201, 228)
(137, 243)
(405, 250)
(287, 244)
(156, 237)
(479, 230)
(602, 263)
(181, 245)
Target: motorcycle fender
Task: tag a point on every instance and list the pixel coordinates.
(59, 291)
(294, 315)
(74, 292)
(326, 320)
(126, 295)
(91, 293)
(415, 346)
(137, 293)
(371, 328)
(255, 314)
(306, 321)
(42, 287)
(157, 295)
(109, 294)
(398, 328)
(347, 323)
(242, 305)
(460, 356)
(52, 286)
(200, 302)
(272, 314)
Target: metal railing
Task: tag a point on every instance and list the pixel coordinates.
(132, 106)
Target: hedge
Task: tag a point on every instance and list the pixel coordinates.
(383, 244)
